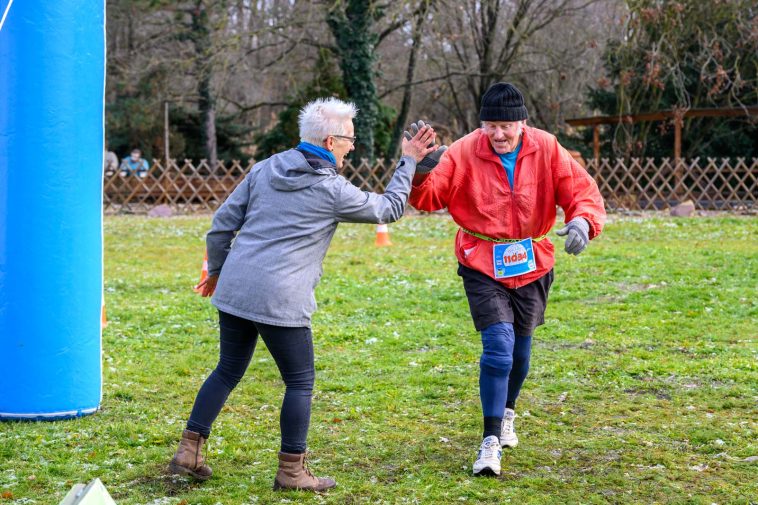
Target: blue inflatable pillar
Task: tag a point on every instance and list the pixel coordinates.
(52, 76)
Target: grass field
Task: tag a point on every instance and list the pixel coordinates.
(643, 389)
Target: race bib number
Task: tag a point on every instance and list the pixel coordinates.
(513, 259)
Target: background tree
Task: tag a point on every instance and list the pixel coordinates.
(237, 70)
(355, 26)
(416, 21)
(356, 31)
(352, 25)
(285, 133)
(483, 41)
(221, 64)
(681, 55)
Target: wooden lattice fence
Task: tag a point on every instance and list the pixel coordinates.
(184, 187)
(655, 184)
(636, 184)
(187, 188)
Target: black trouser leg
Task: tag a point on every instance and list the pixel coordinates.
(238, 339)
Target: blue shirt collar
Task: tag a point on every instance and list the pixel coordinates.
(511, 155)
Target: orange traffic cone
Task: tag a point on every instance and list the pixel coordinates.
(203, 274)
(382, 236)
(103, 320)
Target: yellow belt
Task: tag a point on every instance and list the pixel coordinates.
(500, 240)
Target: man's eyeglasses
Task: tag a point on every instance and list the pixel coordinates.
(349, 139)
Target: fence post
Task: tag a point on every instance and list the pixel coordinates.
(678, 165)
(165, 132)
(596, 143)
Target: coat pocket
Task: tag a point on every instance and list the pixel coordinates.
(467, 245)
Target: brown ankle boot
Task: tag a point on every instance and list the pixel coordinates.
(293, 474)
(188, 459)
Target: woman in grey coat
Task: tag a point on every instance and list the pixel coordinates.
(265, 250)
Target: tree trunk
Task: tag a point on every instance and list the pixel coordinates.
(402, 116)
(352, 30)
(201, 39)
(208, 114)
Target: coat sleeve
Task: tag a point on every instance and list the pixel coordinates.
(575, 190)
(433, 191)
(226, 223)
(352, 205)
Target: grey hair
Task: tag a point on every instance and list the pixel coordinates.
(323, 117)
(521, 121)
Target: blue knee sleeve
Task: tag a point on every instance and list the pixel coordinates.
(497, 349)
(494, 368)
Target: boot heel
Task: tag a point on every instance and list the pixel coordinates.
(180, 470)
(176, 469)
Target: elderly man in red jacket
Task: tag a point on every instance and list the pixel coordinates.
(501, 185)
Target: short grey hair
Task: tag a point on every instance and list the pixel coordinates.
(323, 117)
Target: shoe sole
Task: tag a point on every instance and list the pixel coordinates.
(511, 444)
(486, 472)
(279, 487)
(180, 470)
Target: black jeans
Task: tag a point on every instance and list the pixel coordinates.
(291, 348)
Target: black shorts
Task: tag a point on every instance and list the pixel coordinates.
(491, 302)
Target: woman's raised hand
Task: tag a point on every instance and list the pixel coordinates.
(420, 144)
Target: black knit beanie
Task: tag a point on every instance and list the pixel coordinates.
(503, 102)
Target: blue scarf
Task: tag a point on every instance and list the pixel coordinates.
(317, 150)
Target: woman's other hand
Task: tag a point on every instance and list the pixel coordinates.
(208, 285)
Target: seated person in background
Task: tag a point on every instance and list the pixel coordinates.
(110, 162)
(134, 164)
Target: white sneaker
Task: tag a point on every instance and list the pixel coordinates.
(488, 458)
(508, 436)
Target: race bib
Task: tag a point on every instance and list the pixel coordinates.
(513, 259)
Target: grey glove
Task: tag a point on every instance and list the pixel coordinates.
(430, 160)
(578, 230)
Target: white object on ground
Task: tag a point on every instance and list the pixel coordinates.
(93, 493)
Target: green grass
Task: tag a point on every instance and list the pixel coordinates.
(643, 386)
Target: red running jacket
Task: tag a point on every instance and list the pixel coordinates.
(471, 182)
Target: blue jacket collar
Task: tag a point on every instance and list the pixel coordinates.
(317, 150)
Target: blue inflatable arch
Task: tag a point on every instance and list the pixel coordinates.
(52, 76)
